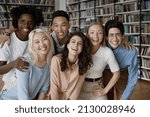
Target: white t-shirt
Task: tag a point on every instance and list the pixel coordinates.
(100, 59)
(12, 51)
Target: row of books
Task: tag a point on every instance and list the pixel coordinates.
(131, 17)
(104, 19)
(74, 22)
(145, 51)
(145, 54)
(4, 24)
(74, 14)
(87, 21)
(146, 62)
(74, 7)
(103, 2)
(119, 7)
(145, 73)
(126, 7)
(85, 5)
(146, 4)
(4, 8)
(51, 2)
(145, 39)
(145, 28)
(145, 16)
(132, 28)
(71, 1)
(83, 22)
(45, 2)
(88, 12)
(15, 1)
(4, 16)
(7, 8)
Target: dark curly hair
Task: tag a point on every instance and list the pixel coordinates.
(85, 60)
(114, 24)
(16, 12)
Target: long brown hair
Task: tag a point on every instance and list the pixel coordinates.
(85, 60)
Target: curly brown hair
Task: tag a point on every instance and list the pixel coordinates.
(85, 59)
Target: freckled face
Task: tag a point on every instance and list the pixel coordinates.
(95, 34)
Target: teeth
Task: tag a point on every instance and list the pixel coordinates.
(60, 33)
(42, 48)
(115, 43)
(74, 49)
(26, 30)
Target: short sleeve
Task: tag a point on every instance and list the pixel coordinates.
(112, 62)
(5, 53)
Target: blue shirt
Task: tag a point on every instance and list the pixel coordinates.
(127, 60)
(29, 83)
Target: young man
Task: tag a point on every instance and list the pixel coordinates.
(60, 30)
(24, 20)
(126, 58)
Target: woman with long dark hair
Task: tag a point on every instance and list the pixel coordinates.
(68, 69)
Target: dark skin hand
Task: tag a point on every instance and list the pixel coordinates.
(5, 38)
(19, 64)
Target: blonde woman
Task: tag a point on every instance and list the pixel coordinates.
(27, 84)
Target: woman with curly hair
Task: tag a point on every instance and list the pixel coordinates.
(24, 20)
(68, 69)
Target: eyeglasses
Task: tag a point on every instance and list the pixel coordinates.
(117, 35)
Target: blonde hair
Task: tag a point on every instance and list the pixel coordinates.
(32, 53)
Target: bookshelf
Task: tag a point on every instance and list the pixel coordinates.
(47, 7)
(73, 8)
(145, 39)
(81, 12)
(135, 15)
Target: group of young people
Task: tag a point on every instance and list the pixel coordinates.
(64, 65)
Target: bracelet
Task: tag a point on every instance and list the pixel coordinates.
(6, 33)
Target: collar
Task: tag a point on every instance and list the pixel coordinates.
(56, 40)
(73, 65)
(120, 46)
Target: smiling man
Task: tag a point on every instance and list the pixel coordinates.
(60, 30)
(126, 58)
